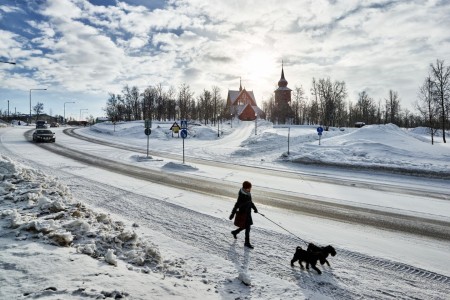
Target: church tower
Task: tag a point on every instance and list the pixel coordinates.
(282, 112)
(282, 93)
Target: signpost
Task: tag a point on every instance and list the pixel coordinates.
(148, 131)
(319, 132)
(184, 133)
(289, 134)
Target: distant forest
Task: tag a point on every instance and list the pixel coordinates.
(326, 104)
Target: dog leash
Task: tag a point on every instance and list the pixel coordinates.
(283, 228)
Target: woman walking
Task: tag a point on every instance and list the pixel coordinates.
(243, 212)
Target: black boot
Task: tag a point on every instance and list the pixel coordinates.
(247, 242)
(234, 233)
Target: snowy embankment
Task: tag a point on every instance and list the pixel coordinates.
(38, 208)
(375, 147)
(53, 246)
(385, 147)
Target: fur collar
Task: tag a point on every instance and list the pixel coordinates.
(245, 193)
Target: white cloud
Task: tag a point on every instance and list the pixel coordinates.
(373, 46)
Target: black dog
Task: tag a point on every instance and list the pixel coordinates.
(322, 252)
(309, 257)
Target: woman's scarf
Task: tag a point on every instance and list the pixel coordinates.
(245, 193)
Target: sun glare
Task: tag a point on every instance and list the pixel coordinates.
(259, 71)
(258, 64)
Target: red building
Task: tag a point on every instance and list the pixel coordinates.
(282, 112)
(282, 93)
(242, 104)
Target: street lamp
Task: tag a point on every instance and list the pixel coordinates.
(30, 100)
(218, 132)
(65, 111)
(82, 110)
(256, 121)
(231, 120)
(8, 110)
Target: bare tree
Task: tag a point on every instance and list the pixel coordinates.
(392, 107)
(148, 103)
(441, 78)
(298, 105)
(365, 106)
(217, 100)
(113, 107)
(205, 106)
(38, 109)
(170, 104)
(185, 97)
(330, 97)
(268, 107)
(427, 105)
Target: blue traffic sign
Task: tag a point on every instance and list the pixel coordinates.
(183, 133)
(319, 133)
(319, 129)
(183, 124)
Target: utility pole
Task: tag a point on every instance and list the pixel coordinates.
(65, 111)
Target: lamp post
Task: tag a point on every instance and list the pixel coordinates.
(289, 134)
(30, 100)
(256, 122)
(8, 110)
(82, 110)
(231, 120)
(218, 132)
(65, 111)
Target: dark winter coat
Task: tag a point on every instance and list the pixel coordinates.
(245, 205)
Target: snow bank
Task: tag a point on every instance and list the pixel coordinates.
(375, 146)
(35, 206)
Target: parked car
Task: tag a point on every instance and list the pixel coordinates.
(54, 124)
(43, 135)
(41, 124)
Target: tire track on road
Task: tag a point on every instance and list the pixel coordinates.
(305, 204)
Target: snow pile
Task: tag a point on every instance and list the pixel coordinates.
(179, 167)
(35, 206)
(375, 146)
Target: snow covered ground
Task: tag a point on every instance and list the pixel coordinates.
(73, 231)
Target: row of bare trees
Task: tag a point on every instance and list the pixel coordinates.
(161, 104)
(327, 104)
(434, 98)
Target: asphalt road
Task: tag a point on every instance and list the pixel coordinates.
(305, 204)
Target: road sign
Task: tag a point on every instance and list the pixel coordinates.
(183, 124)
(319, 130)
(148, 131)
(148, 123)
(319, 133)
(175, 127)
(183, 133)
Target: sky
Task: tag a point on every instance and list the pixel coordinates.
(68, 229)
(81, 51)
